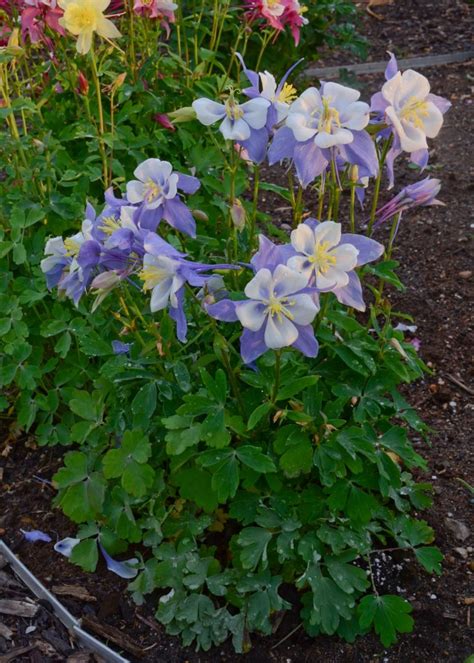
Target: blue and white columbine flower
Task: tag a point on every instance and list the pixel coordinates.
(327, 258)
(156, 192)
(325, 125)
(244, 123)
(411, 111)
(279, 310)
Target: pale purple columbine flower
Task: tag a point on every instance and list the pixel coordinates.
(165, 272)
(120, 348)
(412, 112)
(328, 258)
(35, 535)
(279, 310)
(156, 191)
(263, 85)
(420, 194)
(324, 125)
(244, 123)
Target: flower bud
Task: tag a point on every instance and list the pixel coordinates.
(185, 114)
(354, 174)
(164, 120)
(199, 215)
(82, 84)
(237, 213)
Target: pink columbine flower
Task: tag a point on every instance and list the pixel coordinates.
(294, 18)
(278, 14)
(38, 14)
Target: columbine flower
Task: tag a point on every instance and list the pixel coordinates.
(411, 111)
(268, 10)
(84, 17)
(244, 123)
(420, 194)
(165, 272)
(279, 310)
(294, 18)
(327, 258)
(156, 190)
(36, 16)
(264, 85)
(323, 125)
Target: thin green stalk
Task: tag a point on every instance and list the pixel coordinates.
(378, 181)
(276, 382)
(352, 207)
(102, 148)
(322, 192)
(253, 218)
(298, 207)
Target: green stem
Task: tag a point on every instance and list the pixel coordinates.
(378, 181)
(352, 207)
(103, 153)
(322, 192)
(276, 383)
(253, 218)
(298, 207)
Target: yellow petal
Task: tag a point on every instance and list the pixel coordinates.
(84, 42)
(105, 28)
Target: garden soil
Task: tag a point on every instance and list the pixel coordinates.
(435, 252)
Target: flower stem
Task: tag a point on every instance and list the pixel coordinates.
(378, 181)
(253, 218)
(352, 207)
(95, 76)
(276, 383)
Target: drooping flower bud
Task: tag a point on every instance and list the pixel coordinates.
(237, 213)
(82, 84)
(163, 119)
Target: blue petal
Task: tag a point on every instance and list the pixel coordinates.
(66, 545)
(122, 569)
(35, 535)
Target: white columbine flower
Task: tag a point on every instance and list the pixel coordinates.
(161, 275)
(273, 304)
(155, 183)
(238, 120)
(328, 115)
(323, 257)
(412, 114)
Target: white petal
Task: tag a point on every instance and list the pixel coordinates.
(208, 111)
(55, 246)
(172, 186)
(256, 112)
(346, 257)
(287, 281)
(302, 265)
(268, 84)
(412, 85)
(279, 332)
(260, 286)
(329, 232)
(303, 309)
(302, 239)
(135, 191)
(298, 123)
(434, 121)
(235, 130)
(153, 169)
(332, 278)
(251, 314)
(307, 102)
(160, 295)
(356, 116)
(339, 96)
(390, 89)
(338, 136)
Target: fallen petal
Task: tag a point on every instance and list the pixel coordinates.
(35, 535)
(66, 545)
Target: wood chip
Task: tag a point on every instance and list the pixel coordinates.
(75, 592)
(6, 580)
(113, 634)
(3, 562)
(469, 600)
(5, 632)
(79, 657)
(18, 608)
(15, 653)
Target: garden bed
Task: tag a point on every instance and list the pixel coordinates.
(437, 270)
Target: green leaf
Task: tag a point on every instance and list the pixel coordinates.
(254, 458)
(330, 603)
(389, 614)
(296, 386)
(347, 576)
(258, 414)
(254, 542)
(178, 441)
(137, 479)
(144, 403)
(430, 558)
(298, 459)
(195, 485)
(225, 479)
(86, 555)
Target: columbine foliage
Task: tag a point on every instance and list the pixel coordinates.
(228, 394)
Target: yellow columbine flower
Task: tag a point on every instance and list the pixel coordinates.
(83, 18)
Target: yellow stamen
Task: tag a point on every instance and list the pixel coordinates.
(288, 93)
(321, 258)
(110, 225)
(279, 308)
(232, 110)
(153, 190)
(328, 117)
(414, 111)
(151, 276)
(72, 246)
